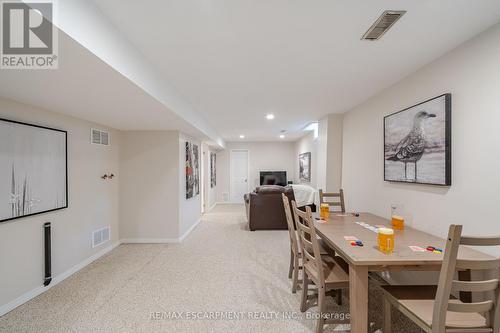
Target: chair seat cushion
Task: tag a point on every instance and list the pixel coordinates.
(419, 300)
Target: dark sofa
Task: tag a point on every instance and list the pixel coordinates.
(264, 207)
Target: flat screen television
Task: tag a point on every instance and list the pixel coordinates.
(273, 178)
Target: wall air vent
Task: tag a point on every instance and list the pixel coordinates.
(101, 236)
(98, 137)
(383, 23)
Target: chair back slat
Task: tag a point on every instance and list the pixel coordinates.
(471, 307)
(447, 284)
(309, 257)
(294, 242)
(480, 241)
(326, 195)
(478, 264)
(474, 286)
(308, 240)
(307, 243)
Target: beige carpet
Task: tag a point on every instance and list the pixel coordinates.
(221, 269)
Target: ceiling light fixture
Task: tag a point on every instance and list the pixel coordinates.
(282, 136)
(242, 136)
(270, 116)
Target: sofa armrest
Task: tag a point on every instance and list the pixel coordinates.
(246, 199)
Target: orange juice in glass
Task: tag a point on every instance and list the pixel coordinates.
(324, 212)
(398, 222)
(386, 240)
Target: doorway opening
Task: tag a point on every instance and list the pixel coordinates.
(239, 160)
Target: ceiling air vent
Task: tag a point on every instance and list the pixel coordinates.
(98, 137)
(383, 23)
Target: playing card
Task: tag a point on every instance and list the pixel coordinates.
(417, 248)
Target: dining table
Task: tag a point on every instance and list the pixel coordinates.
(340, 229)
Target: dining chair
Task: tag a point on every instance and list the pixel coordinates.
(295, 254)
(434, 310)
(324, 271)
(326, 195)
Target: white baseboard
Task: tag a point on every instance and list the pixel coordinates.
(160, 240)
(229, 203)
(64, 275)
(189, 230)
(149, 240)
(212, 207)
(55, 280)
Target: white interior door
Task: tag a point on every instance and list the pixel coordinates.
(239, 174)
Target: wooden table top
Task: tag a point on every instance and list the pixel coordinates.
(340, 225)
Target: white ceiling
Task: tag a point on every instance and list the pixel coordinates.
(86, 87)
(236, 60)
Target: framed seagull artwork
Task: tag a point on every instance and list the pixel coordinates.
(417, 143)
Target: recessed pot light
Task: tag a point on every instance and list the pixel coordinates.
(242, 136)
(270, 116)
(282, 136)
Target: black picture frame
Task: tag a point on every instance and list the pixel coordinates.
(192, 169)
(447, 144)
(66, 178)
(213, 170)
(306, 178)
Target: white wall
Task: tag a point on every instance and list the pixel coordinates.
(153, 202)
(145, 202)
(149, 187)
(326, 153)
(93, 203)
(472, 74)
(333, 177)
(263, 156)
(322, 154)
(189, 209)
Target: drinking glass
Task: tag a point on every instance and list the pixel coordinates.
(386, 240)
(324, 211)
(397, 217)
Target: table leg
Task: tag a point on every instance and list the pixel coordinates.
(358, 298)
